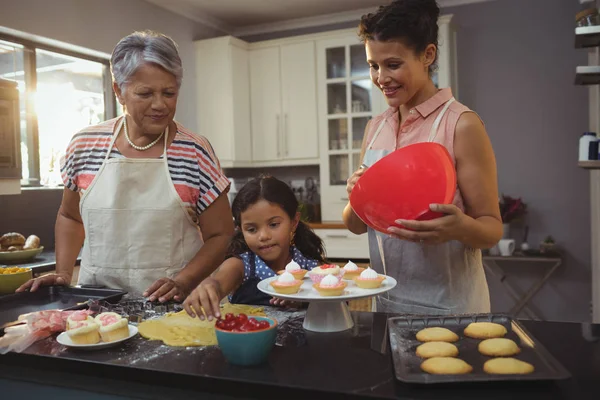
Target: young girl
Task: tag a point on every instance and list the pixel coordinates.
(269, 234)
(437, 263)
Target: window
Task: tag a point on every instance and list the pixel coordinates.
(60, 93)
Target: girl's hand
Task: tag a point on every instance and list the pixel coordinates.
(285, 303)
(435, 231)
(207, 296)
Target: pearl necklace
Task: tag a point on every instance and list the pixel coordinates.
(146, 147)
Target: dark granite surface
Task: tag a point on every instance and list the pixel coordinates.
(44, 262)
(355, 363)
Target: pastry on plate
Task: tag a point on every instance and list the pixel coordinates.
(369, 279)
(485, 330)
(436, 334)
(330, 286)
(84, 332)
(112, 326)
(351, 271)
(294, 268)
(76, 317)
(318, 273)
(286, 284)
(12, 239)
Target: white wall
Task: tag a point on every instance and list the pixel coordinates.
(99, 25)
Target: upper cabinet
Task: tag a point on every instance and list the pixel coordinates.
(223, 90)
(283, 104)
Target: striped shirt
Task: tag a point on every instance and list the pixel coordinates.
(195, 170)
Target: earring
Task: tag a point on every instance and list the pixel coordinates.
(291, 238)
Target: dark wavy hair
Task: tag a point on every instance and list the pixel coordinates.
(271, 189)
(414, 22)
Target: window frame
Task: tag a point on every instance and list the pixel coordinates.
(30, 77)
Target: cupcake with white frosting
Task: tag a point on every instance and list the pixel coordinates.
(294, 268)
(351, 270)
(369, 279)
(330, 286)
(286, 283)
(318, 273)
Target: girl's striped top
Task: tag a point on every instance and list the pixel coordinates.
(195, 170)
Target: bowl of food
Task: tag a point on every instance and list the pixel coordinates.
(13, 277)
(246, 340)
(14, 247)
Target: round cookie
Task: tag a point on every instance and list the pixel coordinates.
(436, 334)
(484, 330)
(507, 366)
(446, 366)
(498, 347)
(437, 349)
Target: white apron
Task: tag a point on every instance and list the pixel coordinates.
(440, 279)
(137, 229)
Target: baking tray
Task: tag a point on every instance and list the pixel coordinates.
(403, 342)
(51, 298)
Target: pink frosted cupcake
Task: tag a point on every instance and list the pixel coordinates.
(369, 279)
(317, 274)
(330, 286)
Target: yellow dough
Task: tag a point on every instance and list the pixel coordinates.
(179, 329)
(437, 349)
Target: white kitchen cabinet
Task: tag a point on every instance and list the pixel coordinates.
(343, 244)
(223, 90)
(347, 100)
(283, 104)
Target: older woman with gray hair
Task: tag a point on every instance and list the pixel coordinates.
(144, 196)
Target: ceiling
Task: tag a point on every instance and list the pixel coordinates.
(247, 17)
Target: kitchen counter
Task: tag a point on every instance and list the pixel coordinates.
(351, 364)
(45, 262)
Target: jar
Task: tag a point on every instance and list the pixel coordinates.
(584, 145)
(587, 17)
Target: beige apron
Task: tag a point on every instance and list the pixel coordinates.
(136, 226)
(446, 278)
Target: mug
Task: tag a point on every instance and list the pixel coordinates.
(506, 247)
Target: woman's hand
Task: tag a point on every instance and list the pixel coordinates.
(46, 280)
(351, 182)
(435, 231)
(166, 289)
(285, 303)
(205, 299)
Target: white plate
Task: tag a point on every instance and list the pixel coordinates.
(309, 294)
(20, 255)
(65, 340)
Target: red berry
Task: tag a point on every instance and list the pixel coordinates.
(229, 316)
(242, 317)
(263, 324)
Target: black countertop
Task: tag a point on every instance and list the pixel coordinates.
(44, 262)
(351, 364)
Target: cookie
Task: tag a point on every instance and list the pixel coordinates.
(484, 330)
(498, 347)
(437, 349)
(436, 334)
(507, 366)
(446, 366)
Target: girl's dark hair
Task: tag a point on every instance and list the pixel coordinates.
(414, 22)
(274, 191)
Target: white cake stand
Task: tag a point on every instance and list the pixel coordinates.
(326, 314)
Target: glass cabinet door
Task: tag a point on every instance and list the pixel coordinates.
(349, 108)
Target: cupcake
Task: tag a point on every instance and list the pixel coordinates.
(351, 270)
(286, 284)
(330, 286)
(318, 273)
(294, 268)
(369, 279)
(84, 332)
(112, 326)
(78, 316)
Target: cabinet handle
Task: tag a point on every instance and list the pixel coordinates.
(339, 236)
(278, 133)
(344, 199)
(285, 133)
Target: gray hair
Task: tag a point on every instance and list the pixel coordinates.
(141, 48)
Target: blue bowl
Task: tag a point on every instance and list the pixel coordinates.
(248, 348)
